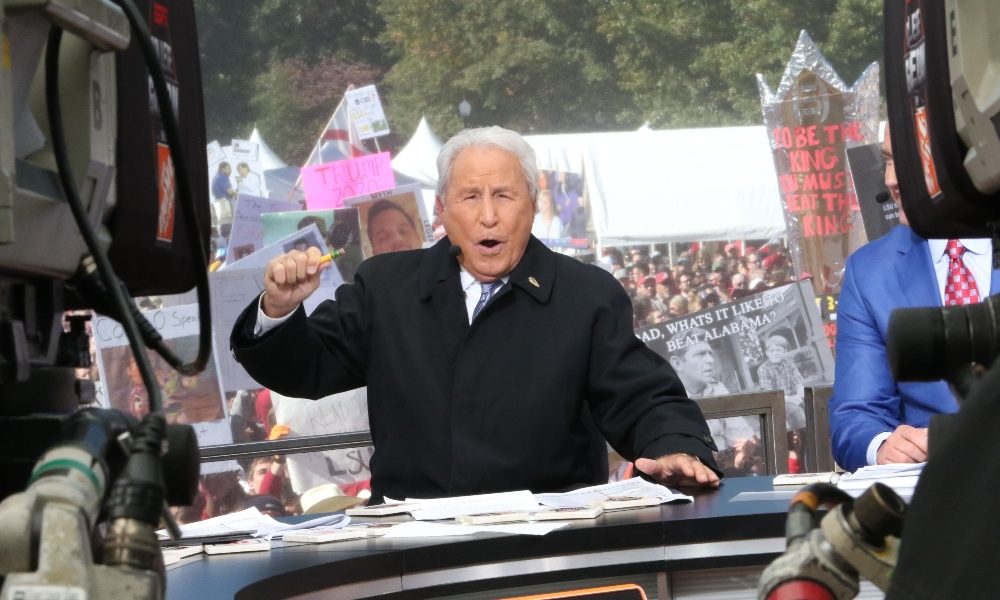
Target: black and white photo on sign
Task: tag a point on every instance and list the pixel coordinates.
(770, 340)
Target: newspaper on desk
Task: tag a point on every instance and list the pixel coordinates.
(902, 478)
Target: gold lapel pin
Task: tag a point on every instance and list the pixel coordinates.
(533, 281)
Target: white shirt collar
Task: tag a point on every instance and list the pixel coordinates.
(468, 280)
(973, 245)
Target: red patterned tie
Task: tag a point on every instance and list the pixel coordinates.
(961, 286)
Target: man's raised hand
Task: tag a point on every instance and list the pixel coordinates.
(289, 279)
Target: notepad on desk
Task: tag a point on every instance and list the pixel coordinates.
(902, 478)
(450, 508)
(788, 480)
(568, 513)
(251, 545)
(494, 517)
(322, 537)
(176, 553)
(626, 502)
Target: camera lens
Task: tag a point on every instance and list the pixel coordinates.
(929, 344)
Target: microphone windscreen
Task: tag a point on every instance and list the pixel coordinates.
(882, 197)
(454, 250)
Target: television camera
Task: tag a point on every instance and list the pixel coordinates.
(101, 198)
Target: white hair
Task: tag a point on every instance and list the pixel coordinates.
(496, 137)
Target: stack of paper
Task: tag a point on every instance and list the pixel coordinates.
(252, 519)
(794, 480)
(902, 478)
(450, 508)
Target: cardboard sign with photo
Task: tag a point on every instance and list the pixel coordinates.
(393, 220)
(247, 235)
(561, 215)
(196, 400)
(770, 340)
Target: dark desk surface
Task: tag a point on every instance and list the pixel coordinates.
(713, 531)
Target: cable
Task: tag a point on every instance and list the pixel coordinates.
(105, 271)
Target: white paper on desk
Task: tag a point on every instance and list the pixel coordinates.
(902, 478)
(251, 519)
(328, 522)
(423, 529)
(449, 508)
(876, 472)
(599, 493)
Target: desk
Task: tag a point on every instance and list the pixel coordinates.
(713, 532)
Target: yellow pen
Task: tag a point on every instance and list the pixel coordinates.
(332, 255)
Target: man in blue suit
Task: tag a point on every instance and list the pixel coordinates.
(874, 419)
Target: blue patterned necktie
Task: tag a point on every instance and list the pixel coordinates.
(488, 288)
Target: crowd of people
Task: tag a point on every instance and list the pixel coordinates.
(665, 286)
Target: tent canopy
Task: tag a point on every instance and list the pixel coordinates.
(418, 158)
(648, 187)
(265, 156)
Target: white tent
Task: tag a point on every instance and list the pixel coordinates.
(682, 185)
(417, 159)
(265, 156)
(649, 186)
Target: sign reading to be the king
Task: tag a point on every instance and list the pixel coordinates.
(811, 120)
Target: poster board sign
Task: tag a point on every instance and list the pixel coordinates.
(812, 119)
(561, 216)
(339, 413)
(214, 152)
(231, 289)
(247, 234)
(737, 331)
(281, 224)
(327, 185)
(337, 226)
(364, 109)
(728, 349)
(393, 220)
(245, 150)
(194, 400)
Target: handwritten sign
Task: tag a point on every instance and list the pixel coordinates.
(328, 184)
(812, 119)
(197, 400)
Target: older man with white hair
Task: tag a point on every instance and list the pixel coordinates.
(492, 363)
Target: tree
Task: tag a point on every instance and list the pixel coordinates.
(693, 64)
(294, 100)
(533, 66)
(229, 64)
(281, 64)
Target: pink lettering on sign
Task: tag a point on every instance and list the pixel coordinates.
(327, 185)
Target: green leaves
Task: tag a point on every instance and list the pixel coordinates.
(538, 66)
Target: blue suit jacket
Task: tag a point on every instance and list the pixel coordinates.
(889, 273)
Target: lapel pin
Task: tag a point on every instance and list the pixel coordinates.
(533, 281)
